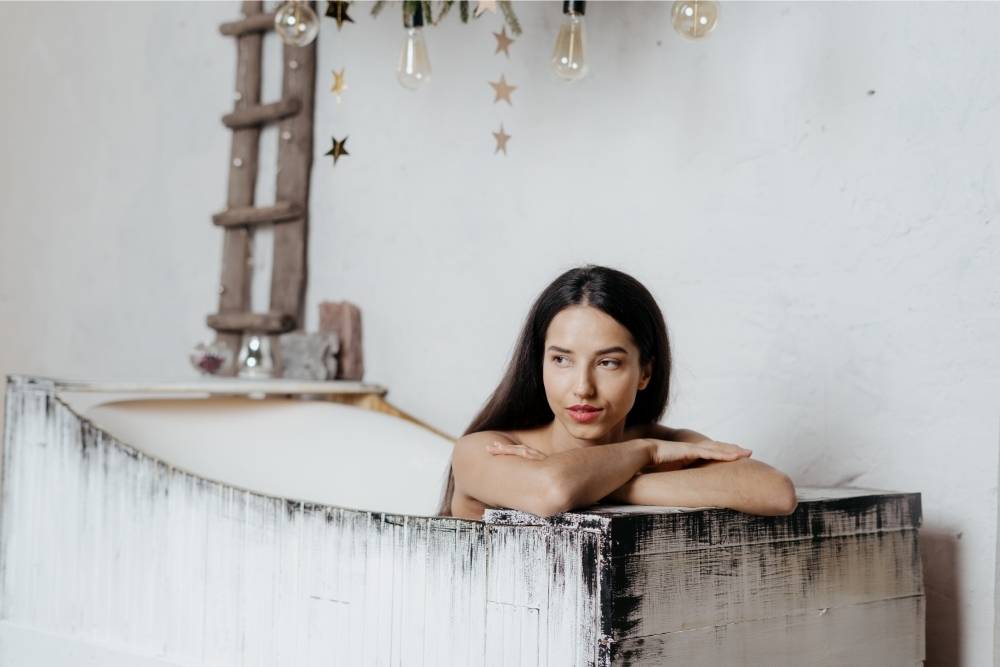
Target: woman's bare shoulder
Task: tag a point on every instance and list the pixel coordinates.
(530, 437)
(491, 435)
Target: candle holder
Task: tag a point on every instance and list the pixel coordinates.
(255, 359)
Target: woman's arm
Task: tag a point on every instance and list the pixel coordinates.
(745, 485)
(753, 487)
(584, 476)
(547, 485)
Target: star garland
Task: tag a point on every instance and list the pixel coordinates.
(339, 86)
(339, 148)
(501, 138)
(337, 9)
(502, 90)
(503, 42)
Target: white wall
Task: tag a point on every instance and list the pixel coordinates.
(826, 258)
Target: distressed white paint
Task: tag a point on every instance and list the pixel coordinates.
(110, 553)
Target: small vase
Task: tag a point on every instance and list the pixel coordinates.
(255, 359)
(211, 359)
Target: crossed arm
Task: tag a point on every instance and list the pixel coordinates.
(746, 484)
(580, 478)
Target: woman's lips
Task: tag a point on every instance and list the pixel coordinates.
(584, 416)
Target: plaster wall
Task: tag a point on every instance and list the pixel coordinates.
(811, 194)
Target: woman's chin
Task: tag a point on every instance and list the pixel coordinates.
(593, 431)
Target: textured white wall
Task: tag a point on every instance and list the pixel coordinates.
(825, 257)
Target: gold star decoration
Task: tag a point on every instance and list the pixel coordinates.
(339, 148)
(501, 138)
(484, 5)
(503, 90)
(339, 86)
(503, 41)
(337, 9)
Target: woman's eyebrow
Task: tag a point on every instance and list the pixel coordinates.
(607, 350)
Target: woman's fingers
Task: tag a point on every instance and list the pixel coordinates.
(725, 447)
(706, 449)
(724, 451)
(497, 447)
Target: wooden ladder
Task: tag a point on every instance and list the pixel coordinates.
(290, 212)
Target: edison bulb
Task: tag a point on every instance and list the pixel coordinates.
(694, 19)
(568, 59)
(414, 63)
(296, 23)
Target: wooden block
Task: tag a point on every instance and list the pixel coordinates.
(309, 356)
(344, 319)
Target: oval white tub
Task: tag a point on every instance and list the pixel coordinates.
(310, 450)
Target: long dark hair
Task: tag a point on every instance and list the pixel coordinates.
(519, 401)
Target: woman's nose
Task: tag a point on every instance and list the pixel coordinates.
(584, 386)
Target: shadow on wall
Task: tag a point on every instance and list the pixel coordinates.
(940, 550)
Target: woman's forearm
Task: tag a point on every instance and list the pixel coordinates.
(586, 475)
(746, 485)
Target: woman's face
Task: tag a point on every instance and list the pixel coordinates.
(591, 359)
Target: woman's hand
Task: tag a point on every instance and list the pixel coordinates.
(670, 454)
(498, 447)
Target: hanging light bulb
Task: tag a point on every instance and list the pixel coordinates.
(296, 23)
(568, 59)
(414, 64)
(694, 19)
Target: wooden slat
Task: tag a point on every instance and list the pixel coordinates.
(262, 113)
(873, 634)
(295, 157)
(254, 23)
(271, 323)
(708, 587)
(257, 215)
(669, 531)
(234, 287)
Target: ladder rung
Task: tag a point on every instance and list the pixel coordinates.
(255, 23)
(271, 322)
(262, 113)
(258, 215)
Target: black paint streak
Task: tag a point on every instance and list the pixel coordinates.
(589, 565)
(631, 536)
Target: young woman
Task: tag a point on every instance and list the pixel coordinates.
(575, 419)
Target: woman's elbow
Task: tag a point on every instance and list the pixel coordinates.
(787, 499)
(545, 499)
(553, 499)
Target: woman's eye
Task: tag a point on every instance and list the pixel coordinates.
(557, 357)
(614, 361)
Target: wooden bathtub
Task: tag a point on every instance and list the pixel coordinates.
(111, 556)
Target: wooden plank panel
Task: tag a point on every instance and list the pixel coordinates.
(517, 595)
(223, 576)
(668, 531)
(258, 600)
(289, 570)
(186, 560)
(688, 589)
(883, 633)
